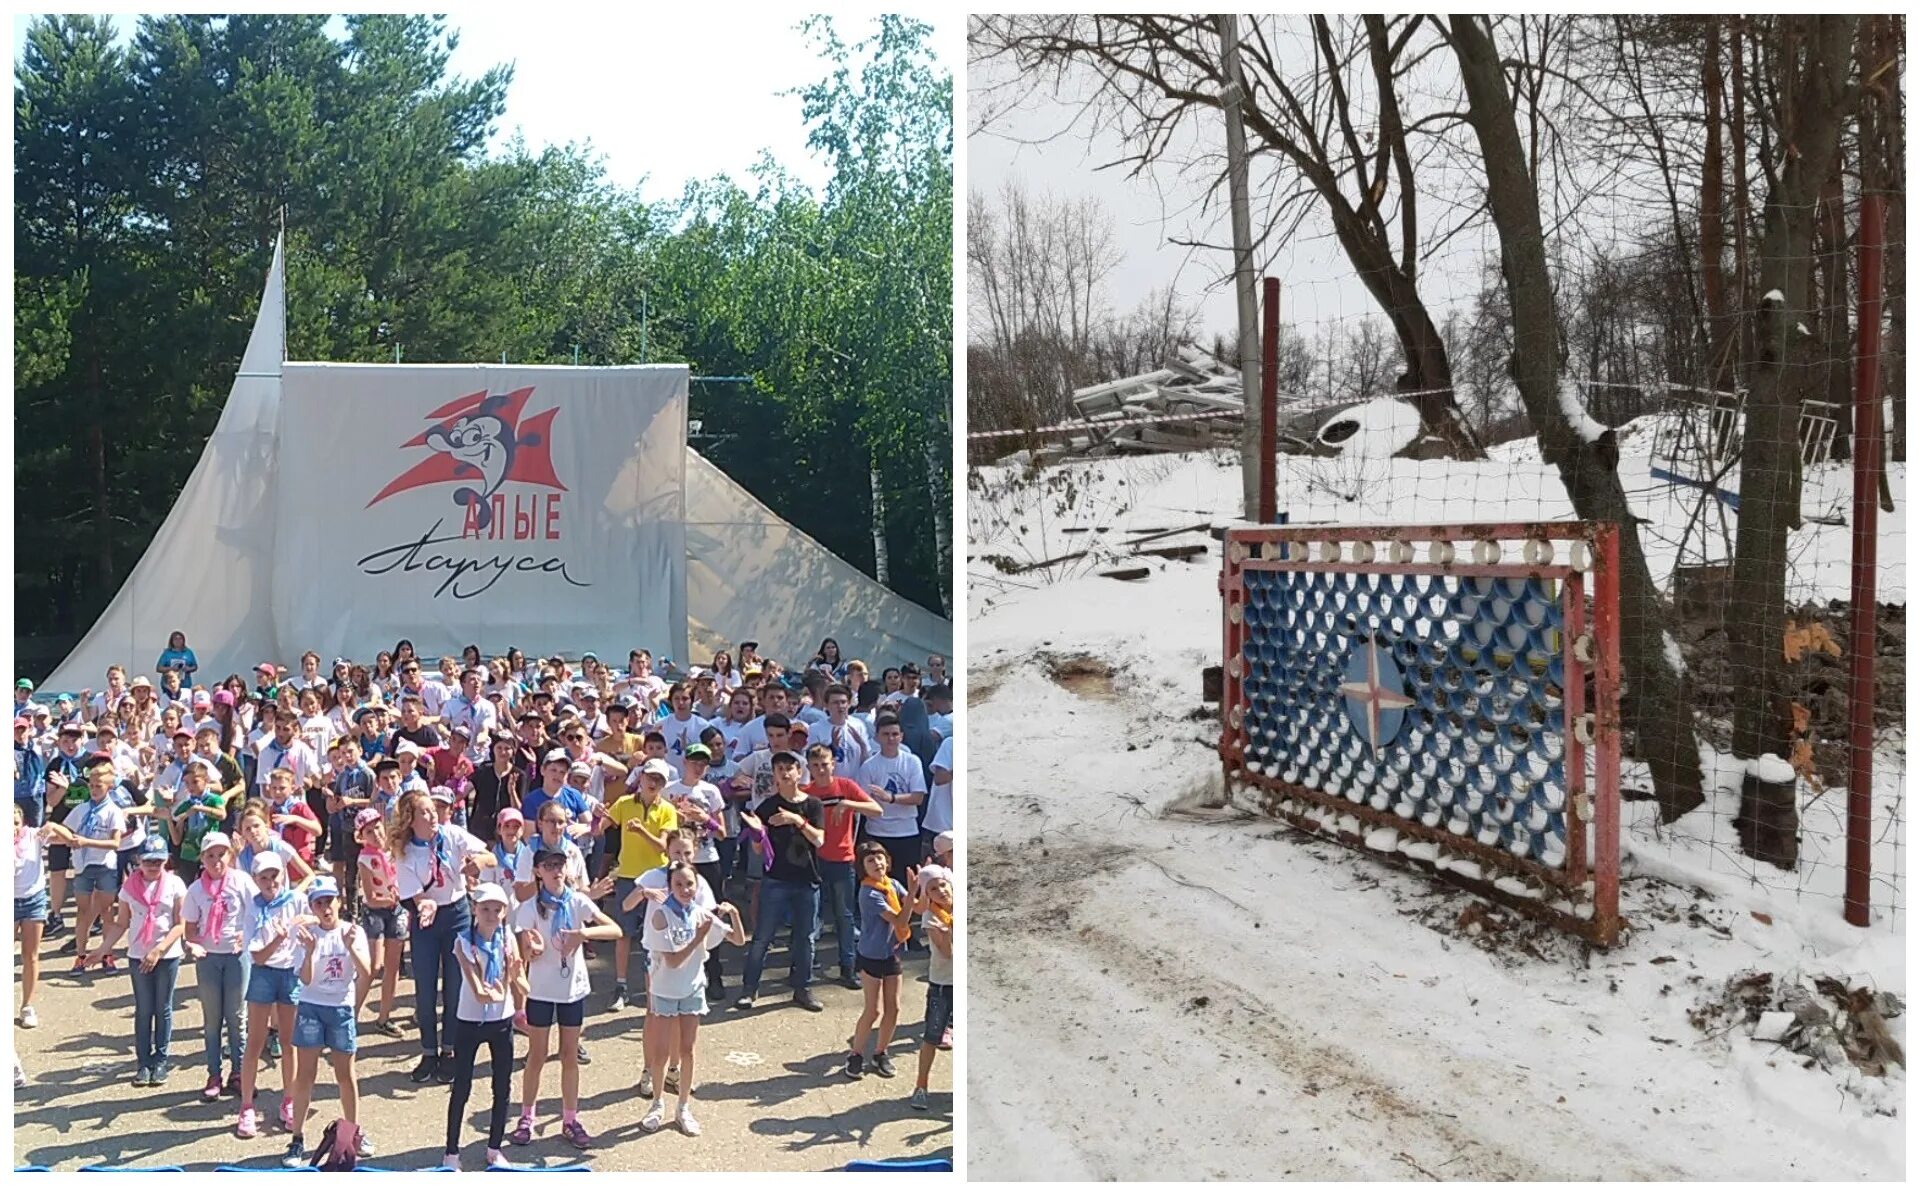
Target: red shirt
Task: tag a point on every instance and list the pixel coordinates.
(300, 839)
(838, 846)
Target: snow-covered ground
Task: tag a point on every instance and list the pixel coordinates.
(1163, 987)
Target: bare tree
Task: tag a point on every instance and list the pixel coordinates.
(1338, 126)
(1655, 704)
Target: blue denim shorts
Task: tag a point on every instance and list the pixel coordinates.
(686, 1006)
(273, 985)
(97, 878)
(325, 1025)
(939, 1013)
(32, 908)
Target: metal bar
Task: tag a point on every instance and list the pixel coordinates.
(1866, 546)
(1606, 696)
(1544, 530)
(1270, 403)
(1573, 705)
(1498, 571)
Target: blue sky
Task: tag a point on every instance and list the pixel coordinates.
(706, 81)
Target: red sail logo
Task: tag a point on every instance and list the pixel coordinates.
(480, 442)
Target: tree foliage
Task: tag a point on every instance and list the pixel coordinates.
(151, 175)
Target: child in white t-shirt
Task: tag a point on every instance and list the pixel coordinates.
(331, 957)
(491, 982)
(149, 913)
(679, 936)
(554, 924)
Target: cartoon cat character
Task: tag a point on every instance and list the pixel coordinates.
(484, 447)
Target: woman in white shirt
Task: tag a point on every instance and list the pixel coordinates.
(491, 971)
(150, 910)
(555, 923)
(433, 868)
(679, 936)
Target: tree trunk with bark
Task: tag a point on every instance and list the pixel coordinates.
(1655, 704)
(1814, 99)
(1720, 325)
(880, 572)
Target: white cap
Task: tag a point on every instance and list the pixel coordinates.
(655, 766)
(403, 746)
(215, 839)
(489, 893)
(266, 860)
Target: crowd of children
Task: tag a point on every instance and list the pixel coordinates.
(492, 826)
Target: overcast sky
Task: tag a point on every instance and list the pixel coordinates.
(666, 94)
(1048, 144)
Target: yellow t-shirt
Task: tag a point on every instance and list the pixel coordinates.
(637, 854)
(622, 746)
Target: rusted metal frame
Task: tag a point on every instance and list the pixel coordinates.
(1270, 403)
(1462, 846)
(1564, 531)
(1539, 910)
(1496, 571)
(1606, 695)
(1573, 705)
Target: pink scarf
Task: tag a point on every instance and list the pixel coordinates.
(217, 910)
(151, 900)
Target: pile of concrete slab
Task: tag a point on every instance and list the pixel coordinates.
(1192, 402)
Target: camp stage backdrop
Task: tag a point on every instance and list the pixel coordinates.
(539, 507)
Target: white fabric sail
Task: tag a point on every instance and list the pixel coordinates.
(209, 571)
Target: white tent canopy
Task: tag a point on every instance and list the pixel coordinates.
(210, 570)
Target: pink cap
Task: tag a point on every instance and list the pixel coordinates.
(223, 696)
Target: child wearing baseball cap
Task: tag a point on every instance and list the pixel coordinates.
(381, 915)
(331, 956)
(150, 902)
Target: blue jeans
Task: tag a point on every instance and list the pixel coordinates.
(223, 988)
(153, 1011)
(839, 893)
(784, 903)
(436, 973)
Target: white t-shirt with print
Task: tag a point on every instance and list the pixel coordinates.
(940, 795)
(677, 983)
(333, 970)
(709, 797)
(899, 776)
(414, 865)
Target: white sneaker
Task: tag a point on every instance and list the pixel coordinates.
(28, 1018)
(496, 1159)
(451, 1162)
(655, 1118)
(689, 1124)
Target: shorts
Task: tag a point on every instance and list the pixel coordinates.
(59, 858)
(328, 1025)
(879, 968)
(97, 878)
(545, 1014)
(939, 1013)
(272, 985)
(30, 908)
(756, 858)
(389, 924)
(632, 924)
(685, 1006)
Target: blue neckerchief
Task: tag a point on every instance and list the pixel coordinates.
(269, 907)
(562, 909)
(90, 824)
(683, 911)
(442, 856)
(494, 949)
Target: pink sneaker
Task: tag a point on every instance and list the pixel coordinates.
(286, 1113)
(212, 1090)
(523, 1132)
(249, 1123)
(577, 1134)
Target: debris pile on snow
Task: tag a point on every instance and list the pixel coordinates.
(1825, 1020)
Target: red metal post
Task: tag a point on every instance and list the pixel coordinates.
(1866, 545)
(1606, 703)
(1270, 403)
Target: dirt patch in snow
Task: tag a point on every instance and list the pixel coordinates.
(1085, 675)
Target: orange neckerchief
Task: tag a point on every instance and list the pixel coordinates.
(945, 914)
(902, 928)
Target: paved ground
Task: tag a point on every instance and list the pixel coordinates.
(770, 1092)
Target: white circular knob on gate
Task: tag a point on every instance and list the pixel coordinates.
(1233, 718)
(1539, 552)
(1235, 666)
(1583, 806)
(1237, 552)
(1583, 648)
(1329, 551)
(1236, 612)
(1440, 553)
(1486, 552)
(1583, 729)
(1399, 552)
(1270, 551)
(1579, 556)
(1297, 551)
(1363, 552)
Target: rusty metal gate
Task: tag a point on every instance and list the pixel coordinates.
(1425, 691)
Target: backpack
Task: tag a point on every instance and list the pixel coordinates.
(339, 1148)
